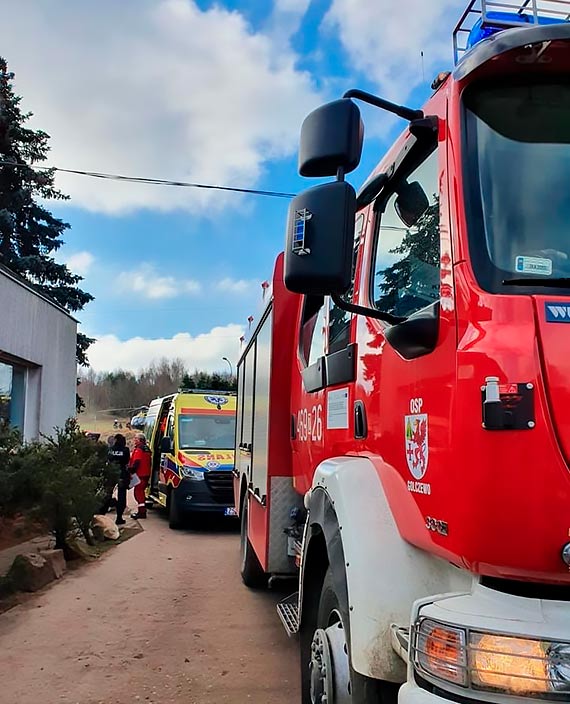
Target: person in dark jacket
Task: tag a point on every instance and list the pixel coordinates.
(119, 454)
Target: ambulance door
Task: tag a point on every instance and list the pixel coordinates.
(159, 456)
(159, 425)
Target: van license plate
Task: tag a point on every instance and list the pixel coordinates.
(230, 512)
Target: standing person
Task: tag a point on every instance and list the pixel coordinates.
(119, 453)
(141, 466)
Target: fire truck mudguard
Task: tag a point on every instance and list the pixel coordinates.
(384, 574)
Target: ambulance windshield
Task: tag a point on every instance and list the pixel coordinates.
(517, 147)
(208, 432)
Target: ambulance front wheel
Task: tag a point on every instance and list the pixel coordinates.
(174, 513)
(252, 573)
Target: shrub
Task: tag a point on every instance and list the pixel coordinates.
(19, 488)
(74, 477)
(62, 480)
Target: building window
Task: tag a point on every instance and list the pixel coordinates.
(12, 394)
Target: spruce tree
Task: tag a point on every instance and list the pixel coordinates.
(29, 233)
(414, 277)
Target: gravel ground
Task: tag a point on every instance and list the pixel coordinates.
(162, 618)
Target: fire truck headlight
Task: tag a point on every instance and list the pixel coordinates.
(508, 664)
(491, 662)
(192, 473)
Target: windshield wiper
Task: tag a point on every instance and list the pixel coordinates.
(553, 283)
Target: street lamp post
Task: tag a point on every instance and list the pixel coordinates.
(231, 368)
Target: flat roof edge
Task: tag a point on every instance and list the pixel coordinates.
(17, 279)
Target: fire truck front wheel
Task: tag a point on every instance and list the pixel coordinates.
(252, 573)
(331, 677)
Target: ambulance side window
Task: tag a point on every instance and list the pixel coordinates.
(406, 276)
(149, 424)
(312, 337)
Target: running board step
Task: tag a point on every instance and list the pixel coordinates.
(288, 611)
(400, 641)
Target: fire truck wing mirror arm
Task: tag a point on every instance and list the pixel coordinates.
(399, 110)
(343, 304)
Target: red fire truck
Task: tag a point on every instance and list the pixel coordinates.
(403, 436)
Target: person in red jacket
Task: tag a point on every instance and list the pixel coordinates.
(140, 465)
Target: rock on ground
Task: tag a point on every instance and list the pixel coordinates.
(104, 527)
(56, 560)
(34, 570)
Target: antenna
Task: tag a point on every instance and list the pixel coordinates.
(423, 67)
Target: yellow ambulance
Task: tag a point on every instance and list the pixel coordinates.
(191, 436)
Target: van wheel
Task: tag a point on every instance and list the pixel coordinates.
(252, 574)
(174, 514)
(330, 676)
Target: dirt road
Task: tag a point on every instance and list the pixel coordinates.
(162, 618)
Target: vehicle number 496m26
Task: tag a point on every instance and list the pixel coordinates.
(310, 424)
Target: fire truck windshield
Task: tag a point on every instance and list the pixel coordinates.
(210, 432)
(517, 174)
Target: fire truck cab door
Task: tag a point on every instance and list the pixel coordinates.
(410, 407)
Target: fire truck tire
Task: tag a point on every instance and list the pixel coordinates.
(174, 515)
(330, 671)
(252, 573)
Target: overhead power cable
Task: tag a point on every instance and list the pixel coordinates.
(154, 181)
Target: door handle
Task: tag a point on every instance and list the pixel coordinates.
(360, 422)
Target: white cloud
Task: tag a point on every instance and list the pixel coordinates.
(147, 282)
(297, 6)
(384, 39)
(285, 21)
(238, 286)
(156, 88)
(79, 263)
(203, 351)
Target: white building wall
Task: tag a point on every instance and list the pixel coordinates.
(37, 334)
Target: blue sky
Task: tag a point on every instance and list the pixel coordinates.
(205, 92)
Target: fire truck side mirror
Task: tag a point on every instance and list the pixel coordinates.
(320, 240)
(331, 139)
(411, 203)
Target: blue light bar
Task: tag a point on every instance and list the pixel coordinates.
(298, 245)
(495, 22)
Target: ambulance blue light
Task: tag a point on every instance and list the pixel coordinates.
(498, 21)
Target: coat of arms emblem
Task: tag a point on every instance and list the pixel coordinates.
(416, 429)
